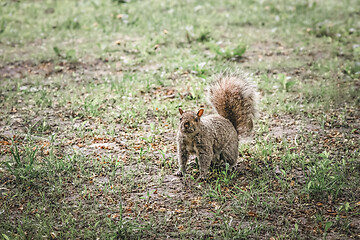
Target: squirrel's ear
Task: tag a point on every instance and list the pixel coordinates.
(200, 112)
(181, 111)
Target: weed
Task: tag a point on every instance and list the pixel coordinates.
(324, 178)
(69, 54)
(228, 52)
(92, 107)
(285, 82)
(23, 166)
(241, 232)
(44, 100)
(227, 175)
(39, 127)
(164, 160)
(216, 192)
(326, 228)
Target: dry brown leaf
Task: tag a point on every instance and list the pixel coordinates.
(252, 214)
(292, 183)
(5, 143)
(53, 235)
(179, 210)
(181, 227)
(162, 209)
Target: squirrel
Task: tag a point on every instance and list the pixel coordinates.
(215, 137)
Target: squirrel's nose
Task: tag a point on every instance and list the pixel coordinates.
(186, 125)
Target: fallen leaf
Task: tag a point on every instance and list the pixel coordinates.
(243, 188)
(196, 201)
(162, 210)
(181, 227)
(4, 143)
(179, 210)
(53, 235)
(292, 183)
(252, 214)
(332, 212)
(34, 211)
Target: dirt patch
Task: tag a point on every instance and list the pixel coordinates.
(18, 70)
(21, 69)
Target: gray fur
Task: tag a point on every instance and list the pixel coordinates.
(215, 137)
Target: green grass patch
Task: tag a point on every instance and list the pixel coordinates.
(89, 98)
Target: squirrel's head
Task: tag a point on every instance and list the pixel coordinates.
(190, 121)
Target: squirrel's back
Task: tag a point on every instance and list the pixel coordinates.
(234, 97)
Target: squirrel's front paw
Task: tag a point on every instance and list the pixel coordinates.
(179, 174)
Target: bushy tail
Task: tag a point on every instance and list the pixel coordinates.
(234, 97)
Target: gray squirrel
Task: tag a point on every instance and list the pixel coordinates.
(215, 137)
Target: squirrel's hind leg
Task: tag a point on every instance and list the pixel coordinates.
(205, 159)
(230, 154)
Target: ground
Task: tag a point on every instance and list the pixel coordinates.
(89, 92)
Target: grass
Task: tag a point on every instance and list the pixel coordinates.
(88, 105)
